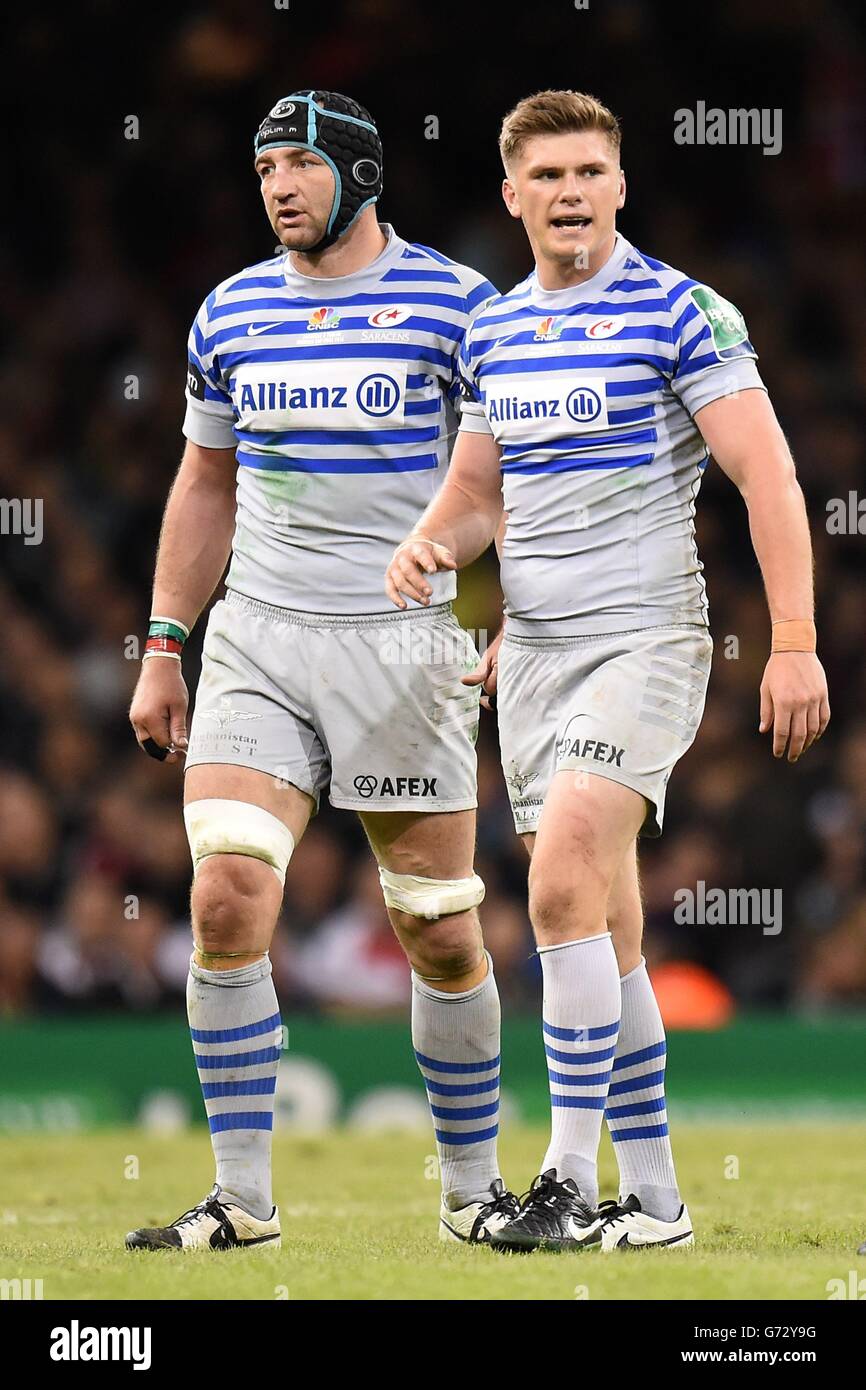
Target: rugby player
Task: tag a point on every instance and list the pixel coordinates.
(598, 388)
(319, 387)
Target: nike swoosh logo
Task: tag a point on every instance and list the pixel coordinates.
(262, 328)
(626, 1241)
(450, 1228)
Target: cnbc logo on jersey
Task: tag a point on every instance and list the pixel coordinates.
(323, 318)
(549, 329)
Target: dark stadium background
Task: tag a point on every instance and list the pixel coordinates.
(111, 244)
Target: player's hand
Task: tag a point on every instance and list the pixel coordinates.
(158, 710)
(410, 563)
(794, 702)
(487, 671)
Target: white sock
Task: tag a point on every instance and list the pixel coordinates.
(234, 1021)
(580, 1020)
(456, 1041)
(636, 1114)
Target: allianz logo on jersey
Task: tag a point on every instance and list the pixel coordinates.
(544, 408)
(319, 395)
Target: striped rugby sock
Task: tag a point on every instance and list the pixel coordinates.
(580, 1020)
(234, 1021)
(636, 1114)
(456, 1041)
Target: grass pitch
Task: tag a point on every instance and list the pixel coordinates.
(359, 1218)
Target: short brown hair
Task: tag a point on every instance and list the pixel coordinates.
(555, 113)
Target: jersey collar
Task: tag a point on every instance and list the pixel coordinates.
(319, 284)
(550, 299)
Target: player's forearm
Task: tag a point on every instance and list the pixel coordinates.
(746, 440)
(194, 544)
(463, 521)
(779, 528)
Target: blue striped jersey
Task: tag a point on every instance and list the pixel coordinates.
(337, 395)
(591, 394)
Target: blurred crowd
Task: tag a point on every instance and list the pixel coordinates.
(108, 254)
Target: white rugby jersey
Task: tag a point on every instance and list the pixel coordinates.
(337, 395)
(590, 392)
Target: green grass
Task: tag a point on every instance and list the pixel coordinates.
(359, 1220)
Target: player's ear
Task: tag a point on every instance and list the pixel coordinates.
(509, 194)
(621, 199)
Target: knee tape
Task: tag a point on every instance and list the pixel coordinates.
(430, 897)
(219, 826)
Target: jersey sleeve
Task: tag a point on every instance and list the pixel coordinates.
(210, 415)
(472, 417)
(713, 356)
(478, 292)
